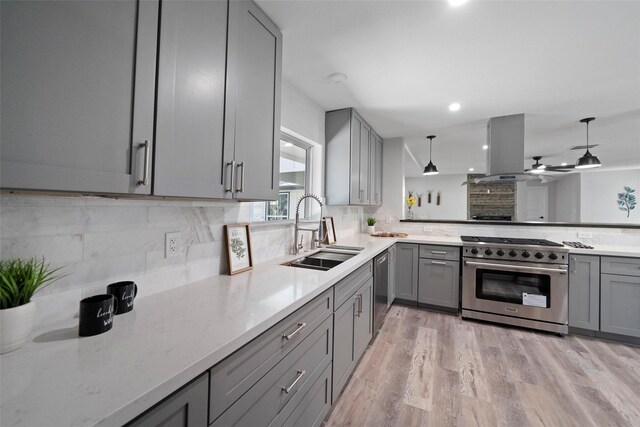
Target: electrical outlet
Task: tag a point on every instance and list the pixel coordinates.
(585, 235)
(427, 229)
(172, 242)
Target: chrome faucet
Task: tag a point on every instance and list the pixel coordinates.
(315, 240)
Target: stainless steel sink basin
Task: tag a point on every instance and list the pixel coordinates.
(346, 248)
(322, 260)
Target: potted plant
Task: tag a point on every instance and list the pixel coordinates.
(371, 225)
(19, 280)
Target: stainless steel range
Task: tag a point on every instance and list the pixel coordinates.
(520, 282)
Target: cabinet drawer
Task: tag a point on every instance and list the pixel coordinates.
(619, 265)
(350, 284)
(440, 252)
(232, 377)
(314, 406)
(297, 372)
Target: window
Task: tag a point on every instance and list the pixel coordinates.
(295, 162)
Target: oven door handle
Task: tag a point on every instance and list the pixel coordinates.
(562, 270)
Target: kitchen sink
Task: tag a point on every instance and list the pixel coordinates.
(346, 248)
(322, 260)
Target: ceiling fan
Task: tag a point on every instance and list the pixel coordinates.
(538, 167)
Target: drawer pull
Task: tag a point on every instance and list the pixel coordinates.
(300, 375)
(439, 262)
(292, 334)
(439, 252)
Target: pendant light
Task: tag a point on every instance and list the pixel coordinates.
(430, 169)
(588, 160)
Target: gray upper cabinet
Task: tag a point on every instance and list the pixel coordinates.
(190, 100)
(78, 84)
(407, 272)
(584, 292)
(252, 118)
(353, 159)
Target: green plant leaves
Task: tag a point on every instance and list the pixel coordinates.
(20, 279)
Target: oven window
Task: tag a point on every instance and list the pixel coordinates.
(516, 288)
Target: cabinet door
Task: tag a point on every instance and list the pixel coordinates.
(375, 169)
(378, 168)
(439, 283)
(407, 271)
(584, 292)
(78, 84)
(252, 123)
(343, 344)
(620, 304)
(357, 196)
(185, 408)
(190, 105)
(391, 290)
(363, 328)
(365, 133)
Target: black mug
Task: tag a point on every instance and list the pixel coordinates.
(96, 314)
(124, 292)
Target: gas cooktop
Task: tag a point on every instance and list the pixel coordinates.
(509, 241)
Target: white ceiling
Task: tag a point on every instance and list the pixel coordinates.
(406, 61)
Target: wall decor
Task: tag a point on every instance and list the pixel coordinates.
(627, 200)
(420, 199)
(429, 197)
(329, 230)
(238, 243)
(438, 199)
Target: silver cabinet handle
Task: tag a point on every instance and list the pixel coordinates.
(382, 259)
(357, 313)
(439, 262)
(361, 195)
(147, 160)
(292, 334)
(241, 167)
(300, 374)
(439, 252)
(229, 189)
(573, 265)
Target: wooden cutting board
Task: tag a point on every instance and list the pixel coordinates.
(389, 234)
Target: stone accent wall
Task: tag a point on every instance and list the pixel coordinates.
(491, 198)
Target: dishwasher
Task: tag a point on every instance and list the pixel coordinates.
(380, 283)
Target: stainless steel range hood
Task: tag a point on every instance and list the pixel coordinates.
(505, 155)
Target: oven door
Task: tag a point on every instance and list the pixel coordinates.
(533, 291)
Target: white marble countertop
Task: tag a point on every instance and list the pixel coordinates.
(607, 250)
(169, 339)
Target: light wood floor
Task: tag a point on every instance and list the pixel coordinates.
(432, 369)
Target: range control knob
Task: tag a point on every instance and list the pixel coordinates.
(513, 253)
(526, 254)
(488, 252)
(539, 255)
(474, 251)
(500, 252)
(553, 256)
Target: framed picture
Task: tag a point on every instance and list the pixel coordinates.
(329, 230)
(238, 242)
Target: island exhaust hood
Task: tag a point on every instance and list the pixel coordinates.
(505, 155)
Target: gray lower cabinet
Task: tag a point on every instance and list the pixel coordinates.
(407, 272)
(185, 408)
(353, 323)
(584, 292)
(439, 283)
(620, 304)
(252, 109)
(190, 99)
(391, 290)
(316, 404)
(78, 85)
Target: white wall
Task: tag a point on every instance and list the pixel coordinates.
(568, 198)
(453, 196)
(392, 178)
(599, 196)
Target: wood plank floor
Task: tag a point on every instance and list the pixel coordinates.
(435, 369)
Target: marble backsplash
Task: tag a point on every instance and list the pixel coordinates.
(102, 240)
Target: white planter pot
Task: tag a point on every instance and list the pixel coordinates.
(16, 325)
(371, 229)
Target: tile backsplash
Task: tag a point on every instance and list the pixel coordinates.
(102, 240)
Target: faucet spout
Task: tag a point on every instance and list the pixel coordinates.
(297, 246)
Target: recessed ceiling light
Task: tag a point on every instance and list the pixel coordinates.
(471, 169)
(456, 3)
(337, 77)
(563, 164)
(454, 107)
(485, 147)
